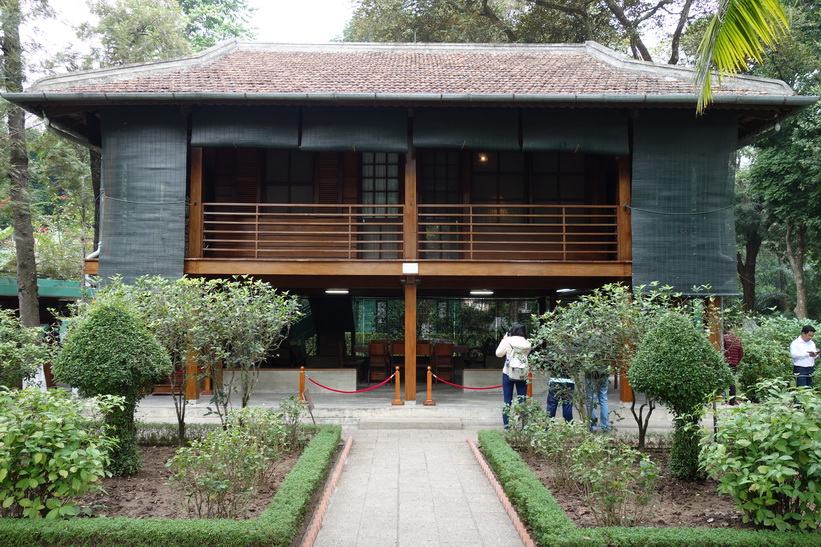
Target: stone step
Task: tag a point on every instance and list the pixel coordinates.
(410, 423)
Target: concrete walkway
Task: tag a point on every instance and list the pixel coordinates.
(414, 487)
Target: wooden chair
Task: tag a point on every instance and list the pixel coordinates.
(443, 361)
(397, 350)
(378, 361)
(423, 354)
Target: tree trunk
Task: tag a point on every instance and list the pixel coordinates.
(796, 249)
(746, 270)
(18, 176)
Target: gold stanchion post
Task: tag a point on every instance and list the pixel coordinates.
(397, 401)
(301, 383)
(429, 401)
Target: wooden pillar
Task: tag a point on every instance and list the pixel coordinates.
(192, 385)
(625, 228)
(195, 220)
(410, 338)
(410, 224)
(410, 252)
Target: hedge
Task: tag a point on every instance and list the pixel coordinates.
(549, 525)
(276, 526)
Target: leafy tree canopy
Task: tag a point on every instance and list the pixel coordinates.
(211, 21)
(623, 25)
(133, 31)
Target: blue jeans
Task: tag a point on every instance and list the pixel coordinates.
(596, 394)
(507, 390)
(803, 376)
(560, 392)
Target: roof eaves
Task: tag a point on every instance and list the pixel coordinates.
(502, 98)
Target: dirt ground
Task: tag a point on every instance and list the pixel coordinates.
(147, 494)
(678, 503)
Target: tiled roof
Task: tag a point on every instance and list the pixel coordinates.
(406, 69)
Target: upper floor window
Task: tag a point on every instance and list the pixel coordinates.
(289, 176)
(380, 178)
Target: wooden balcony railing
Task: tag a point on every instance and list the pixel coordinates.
(307, 231)
(445, 232)
(518, 232)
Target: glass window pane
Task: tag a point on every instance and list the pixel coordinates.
(571, 189)
(545, 188)
(512, 162)
(545, 162)
(302, 194)
(484, 188)
(302, 167)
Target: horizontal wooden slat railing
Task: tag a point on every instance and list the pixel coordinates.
(445, 232)
(302, 231)
(518, 232)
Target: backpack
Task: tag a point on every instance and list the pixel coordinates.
(517, 364)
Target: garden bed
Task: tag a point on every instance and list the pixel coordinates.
(678, 503)
(148, 494)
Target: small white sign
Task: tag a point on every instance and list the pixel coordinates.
(410, 268)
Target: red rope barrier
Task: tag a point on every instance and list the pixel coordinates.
(358, 390)
(465, 387)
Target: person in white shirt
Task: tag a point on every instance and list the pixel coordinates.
(804, 353)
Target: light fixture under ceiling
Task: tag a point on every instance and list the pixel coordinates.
(481, 292)
(336, 291)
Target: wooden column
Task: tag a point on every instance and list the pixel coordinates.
(625, 245)
(192, 387)
(410, 253)
(195, 220)
(410, 224)
(625, 228)
(410, 338)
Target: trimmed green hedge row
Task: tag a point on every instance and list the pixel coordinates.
(278, 525)
(549, 525)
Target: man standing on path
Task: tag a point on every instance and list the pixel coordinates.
(804, 353)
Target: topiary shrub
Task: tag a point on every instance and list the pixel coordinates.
(107, 351)
(677, 366)
(22, 350)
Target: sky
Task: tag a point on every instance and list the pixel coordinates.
(296, 21)
(284, 21)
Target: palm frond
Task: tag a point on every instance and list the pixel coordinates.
(740, 30)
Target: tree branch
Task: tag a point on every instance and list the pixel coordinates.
(682, 22)
(486, 11)
(631, 28)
